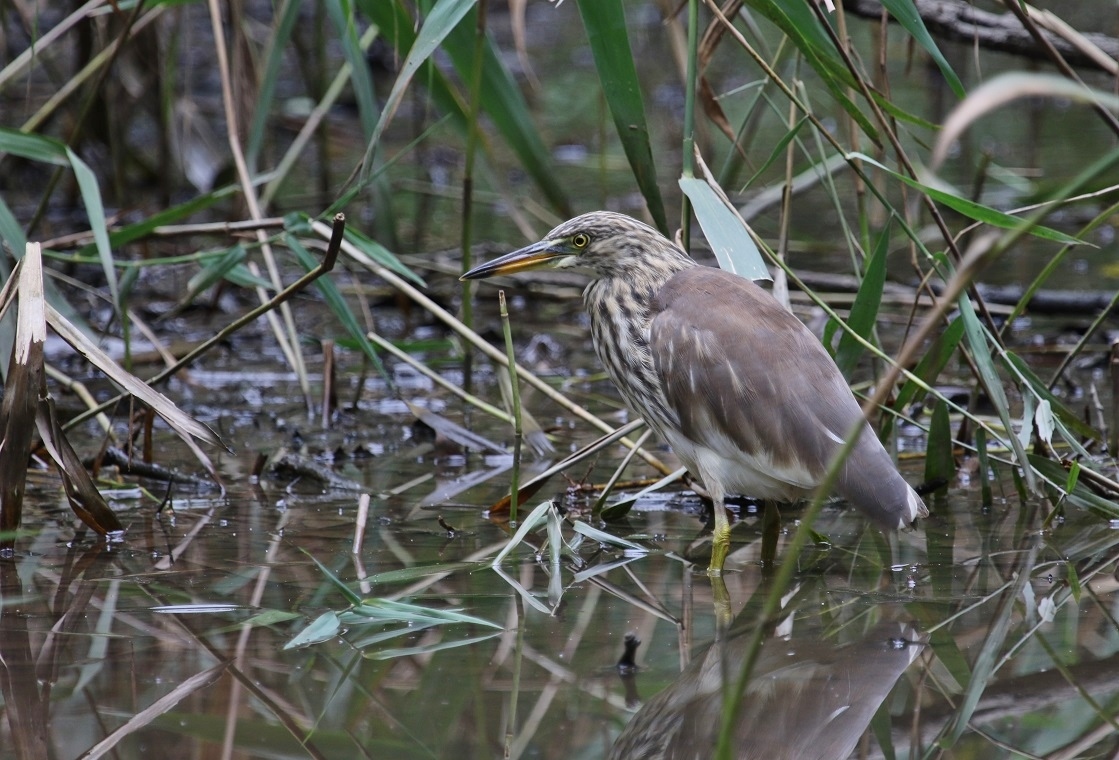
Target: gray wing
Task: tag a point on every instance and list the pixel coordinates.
(737, 366)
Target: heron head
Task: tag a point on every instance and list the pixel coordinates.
(602, 243)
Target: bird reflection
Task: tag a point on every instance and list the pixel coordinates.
(807, 698)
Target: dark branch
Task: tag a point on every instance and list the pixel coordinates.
(961, 22)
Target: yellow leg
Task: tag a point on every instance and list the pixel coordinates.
(721, 543)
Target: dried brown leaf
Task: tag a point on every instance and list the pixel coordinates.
(86, 501)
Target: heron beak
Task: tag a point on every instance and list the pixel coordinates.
(535, 256)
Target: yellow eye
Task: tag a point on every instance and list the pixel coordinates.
(581, 240)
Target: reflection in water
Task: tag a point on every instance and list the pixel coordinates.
(26, 703)
(27, 672)
(101, 650)
(807, 697)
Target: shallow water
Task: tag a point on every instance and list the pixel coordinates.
(177, 633)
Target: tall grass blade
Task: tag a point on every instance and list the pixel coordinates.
(971, 209)
(277, 48)
(342, 15)
(515, 406)
(241, 276)
(393, 633)
(948, 652)
(444, 17)
(605, 22)
(147, 226)
(864, 310)
(373, 251)
(988, 375)
(501, 98)
(777, 152)
(215, 267)
(39, 148)
(502, 101)
(337, 303)
(905, 11)
(48, 150)
(523, 592)
(932, 363)
(91, 197)
(800, 24)
(882, 724)
(351, 596)
(422, 571)
(1073, 579)
(940, 464)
